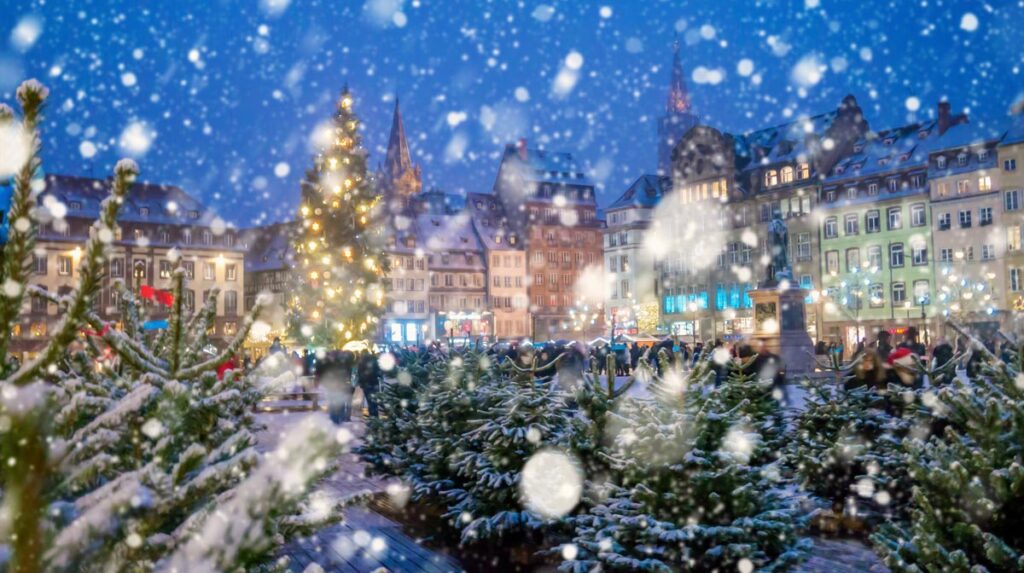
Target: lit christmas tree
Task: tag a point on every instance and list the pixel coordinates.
(338, 250)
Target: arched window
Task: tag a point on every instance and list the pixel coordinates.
(787, 174)
(771, 178)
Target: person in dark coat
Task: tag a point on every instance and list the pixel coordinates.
(368, 374)
(942, 353)
(334, 375)
(883, 344)
(912, 342)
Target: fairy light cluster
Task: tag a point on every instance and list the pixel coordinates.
(338, 256)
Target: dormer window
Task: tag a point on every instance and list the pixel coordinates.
(803, 171)
(940, 162)
(830, 196)
(75, 205)
(512, 240)
(888, 140)
(904, 157)
(961, 159)
(893, 184)
(497, 239)
(771, 178)
(872, 188)
(193, 214)
(857, 148)
(922, 134)
(840, 169)
(144, 211)
(883, 161)
(983, 155)
(851, 193)
(787, 174)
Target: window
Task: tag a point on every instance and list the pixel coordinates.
(917, 215)
(1013, 238)
(207, 237)
(985, 216)
(899, 293)
(193, 214)
(940, 162)
(876, 295)
(165, 236)
(983, 156)
(771, 178)
(963, 187)
(39, 303)
(965, 218)
(893, 185)
(229, 240)
(209, 271)
(830, 196)
(917, 181)
(895, 215)
(896, 255)
(186, 236)
(942, 189)
(852, 260)
(985, 183)
(969, 253)
(831, 228)
(961, 159)
(851, 193)
(832, 262)
(872, 221)
(189, 268)
(945, 221)
(230, 303)
(116, 268)
(144, 211)
(63, 265)
(1009, 165)
(1011, 200)
(230, 272)
(851, 224)
(787, 174)
(139, 269)
(872, 189)
(919, 254)
(874, 257)
(803, 246)
(946, 255)
(804, 170)
(988, 252)
(165, 269)
(922, 292)
(1016, 283)
(39, 264)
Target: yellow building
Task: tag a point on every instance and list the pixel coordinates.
(154, 220)
(1011, 164)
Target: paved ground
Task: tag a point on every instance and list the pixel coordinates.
(366, 541)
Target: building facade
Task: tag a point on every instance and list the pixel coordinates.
(505, 258)
(550, 203)
(1010, 165)
(154, 221)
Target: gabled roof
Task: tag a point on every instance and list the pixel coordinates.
(268, 248)
(167, 204)
(542, 166)
(782, 143)
(645, 192)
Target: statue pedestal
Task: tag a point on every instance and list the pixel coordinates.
(780, 324)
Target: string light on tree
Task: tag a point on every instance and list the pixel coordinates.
(338, 249)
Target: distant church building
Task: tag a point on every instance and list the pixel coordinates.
(399, 180)
(678, 119)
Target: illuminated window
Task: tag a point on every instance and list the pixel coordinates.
(787, 174)
(771, 178)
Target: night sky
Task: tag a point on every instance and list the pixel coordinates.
(221, 98)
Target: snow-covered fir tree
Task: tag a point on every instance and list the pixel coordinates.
(968, 492)
(391, 441)
(130, 454)
(690, 497)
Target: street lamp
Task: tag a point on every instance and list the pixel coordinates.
(693, 324)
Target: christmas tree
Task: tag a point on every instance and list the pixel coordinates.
(968, 480)
(392, 439)
(338, 248)
(131, 454)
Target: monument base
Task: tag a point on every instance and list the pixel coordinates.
(780, 326)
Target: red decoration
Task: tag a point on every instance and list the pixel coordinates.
(163, 297)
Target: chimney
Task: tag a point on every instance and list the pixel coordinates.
(521, 148)
(945, 117)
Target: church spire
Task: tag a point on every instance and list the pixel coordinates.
(397, 159)
(678, 96)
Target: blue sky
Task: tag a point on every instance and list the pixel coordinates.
(221, 98)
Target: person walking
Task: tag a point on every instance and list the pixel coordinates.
(368, 375)
(334, 375)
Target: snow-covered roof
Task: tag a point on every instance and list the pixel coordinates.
(781, 143)
(901, 148)
(1016, 132)
(448, 234)
(145, 203)
(542, 166)
(645, 192)
(490, 222)
(269, 248)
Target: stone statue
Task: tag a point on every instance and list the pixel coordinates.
(779, 241)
